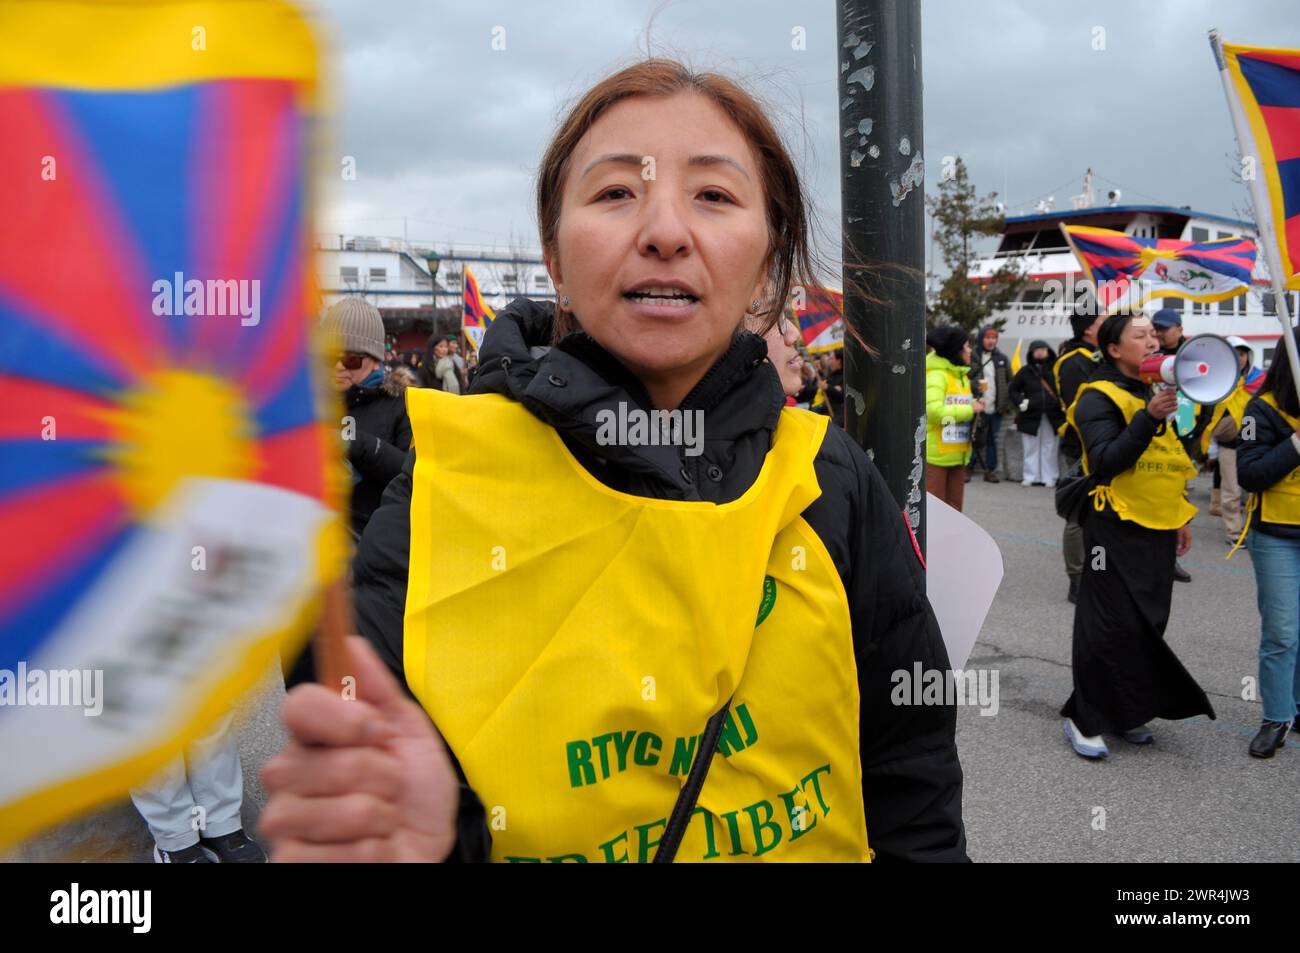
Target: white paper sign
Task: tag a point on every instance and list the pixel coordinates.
(963, 572)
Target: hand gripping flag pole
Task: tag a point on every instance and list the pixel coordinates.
(1248, 147)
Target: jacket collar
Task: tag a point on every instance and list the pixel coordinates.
(569, 384)
(391, 386)
(1107, 371)
(1074, 344)
(934, 362)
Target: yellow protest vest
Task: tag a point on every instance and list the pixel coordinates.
(1280, 503)
(571, 641)
(1234, 405)
(1056, 374)
(1153, 493)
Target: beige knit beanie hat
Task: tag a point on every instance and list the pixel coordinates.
(358, 325)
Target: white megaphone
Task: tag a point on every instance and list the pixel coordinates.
(1204, 370)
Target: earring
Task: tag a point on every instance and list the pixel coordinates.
(565, 302)
(754, 308)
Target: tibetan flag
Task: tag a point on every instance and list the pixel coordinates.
(821, 320)
(477, 315)
(1266, 82)
(1128, 270)
(168, 483)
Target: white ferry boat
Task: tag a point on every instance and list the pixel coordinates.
(1036, 245)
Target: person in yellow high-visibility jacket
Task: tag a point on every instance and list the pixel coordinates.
(1134, 527)
(652, 612)
(950, 411)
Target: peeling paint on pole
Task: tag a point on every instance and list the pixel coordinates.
(881, 165)
(865, 77)
(912, 178)
(916, 478)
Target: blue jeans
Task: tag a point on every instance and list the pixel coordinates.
(1277, 577)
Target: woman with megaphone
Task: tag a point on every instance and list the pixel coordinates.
(1134, 526)
(1268, 466)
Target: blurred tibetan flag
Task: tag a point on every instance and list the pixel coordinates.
(1129, 270)
(167, 480)
(477, 315)
(821, 320)
(1266, 84)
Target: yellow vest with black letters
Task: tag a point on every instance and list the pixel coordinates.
(1153, 492)
(571, 641)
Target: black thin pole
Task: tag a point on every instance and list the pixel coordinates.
(883, 216)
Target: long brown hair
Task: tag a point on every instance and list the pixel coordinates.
(787, 206)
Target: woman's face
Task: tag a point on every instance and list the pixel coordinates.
(1039, 355)
(783, 354)
(662, 242)
(440, 350)
(1137, 341)
(965, 353)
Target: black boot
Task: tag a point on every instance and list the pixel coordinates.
(1272, 735)
(1073, 594)
(1181, 574)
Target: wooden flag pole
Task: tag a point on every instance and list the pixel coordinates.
(335, 626)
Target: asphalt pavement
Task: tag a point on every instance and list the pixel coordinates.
(1193, 795)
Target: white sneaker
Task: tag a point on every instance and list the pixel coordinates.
(1026, 482)
(1086, 747)
(1052, 485)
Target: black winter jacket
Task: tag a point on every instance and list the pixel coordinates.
(1075, 372)
(835, 396)
(1028, 385)
(1002, 403)
(378, 450)
(912, 779)
(1265, 460)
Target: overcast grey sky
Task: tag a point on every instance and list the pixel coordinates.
(446, 131)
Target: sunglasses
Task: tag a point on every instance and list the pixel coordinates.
(350, 361)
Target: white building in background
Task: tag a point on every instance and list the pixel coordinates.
(394, 274)
(391, 278)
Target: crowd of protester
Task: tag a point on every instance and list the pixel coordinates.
(1122, 491)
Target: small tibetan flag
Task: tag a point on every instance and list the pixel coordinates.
(168, 484)
(1129, 270)
(821, 321)
(477, 315)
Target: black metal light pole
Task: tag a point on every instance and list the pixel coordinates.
(883, 213)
